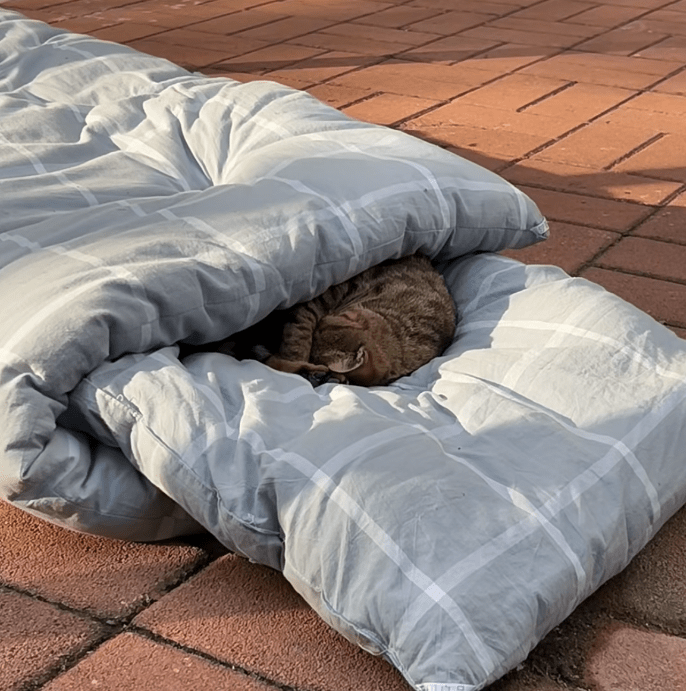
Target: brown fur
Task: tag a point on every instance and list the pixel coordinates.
(372, 329)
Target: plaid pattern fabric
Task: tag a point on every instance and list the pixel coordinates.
(447, 521)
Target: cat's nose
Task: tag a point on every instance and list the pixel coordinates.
(316, 378)
(319, 378)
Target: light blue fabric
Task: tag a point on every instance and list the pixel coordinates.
(143, 205)
(447, 521)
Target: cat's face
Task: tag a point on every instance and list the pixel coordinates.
(353, 343)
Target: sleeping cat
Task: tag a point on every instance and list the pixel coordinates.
(370, 330)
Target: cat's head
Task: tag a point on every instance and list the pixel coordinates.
(353, 343)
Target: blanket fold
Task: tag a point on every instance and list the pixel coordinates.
(447, 521)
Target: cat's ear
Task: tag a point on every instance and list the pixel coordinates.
(349, 362)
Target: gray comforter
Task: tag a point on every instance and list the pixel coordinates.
(447, 521)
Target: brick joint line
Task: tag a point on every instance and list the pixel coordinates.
(545, 97)
(635, 150)
(170, 643)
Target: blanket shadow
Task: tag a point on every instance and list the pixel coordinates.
(340, 60)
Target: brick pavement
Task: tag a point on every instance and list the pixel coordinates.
(579, 102)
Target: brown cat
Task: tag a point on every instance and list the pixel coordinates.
(370, 330)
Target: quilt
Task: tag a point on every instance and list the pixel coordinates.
(447, 521)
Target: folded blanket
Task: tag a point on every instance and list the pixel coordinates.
(447, 521)
(144, 205)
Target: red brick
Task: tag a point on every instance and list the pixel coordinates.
(646, 4)
(649, 257)
(190, 57)
(681, 333)
(587, 211)
(336, 96)
(397, 17)
(624, 657)
(379, 33)
(437, 82)
(526, 681)
(662, 300)
(385, 109)
(130, 663)
(673, 85)
(663, 159)
(499, 144)
(659, 103)
(248, 615)
(652, 587)
(284, 29)
(450, 22)
(83, 25)
(625, 41)
(469, 75)
(665, 22)
(227, 46)
(169, 14)
(449, 49)
(590, 181)
(570, 247)
(522, 36)
(353, 44)
(485, 117)
(237, 5)
(668, 12)
(237, 21)
(335, 10)
(481, 6)
(607, 70)
(673, 48)
(74, 8)
(661, 112)
(513, 91)
(619, 62)
(627, 116)
(109, 578)
(546, 27)
(23, 5)
(597, 145)
(322, 67)
(276, 57)
(667, 224)
(506, 57)
(580, 101)
(192, 11)
(36, 637)
(607, 15)
(144, 13)
(47, 15)
(285, 78)
(126, 32)
(554, 10)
